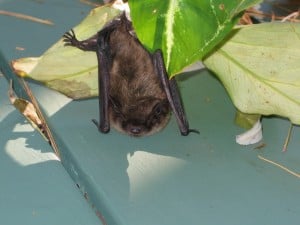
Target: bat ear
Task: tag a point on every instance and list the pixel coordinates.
(172, 93)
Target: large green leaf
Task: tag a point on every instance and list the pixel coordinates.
(187, 33)
(67, 69)
(185, 30)
(260, 68)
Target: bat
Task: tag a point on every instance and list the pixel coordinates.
(135, 93)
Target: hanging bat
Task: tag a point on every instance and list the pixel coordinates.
(135, 93)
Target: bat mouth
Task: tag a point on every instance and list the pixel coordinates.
(136, 131)
(137, 128)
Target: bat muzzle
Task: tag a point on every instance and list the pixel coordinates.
(134, 127)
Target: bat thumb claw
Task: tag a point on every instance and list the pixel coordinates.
(187, 132)
(194, 131)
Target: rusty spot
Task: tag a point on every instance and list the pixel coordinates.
(101, 217)
(222, 7)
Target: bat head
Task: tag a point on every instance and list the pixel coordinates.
(141, 117)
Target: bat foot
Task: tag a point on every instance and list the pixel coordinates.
(101, 128)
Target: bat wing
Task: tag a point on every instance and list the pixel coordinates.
(103, 81)
(104, 61)
(99, 44)
(172, 92)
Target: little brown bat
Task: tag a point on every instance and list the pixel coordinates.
(135, 93)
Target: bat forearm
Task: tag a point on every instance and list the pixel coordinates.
(103, 86)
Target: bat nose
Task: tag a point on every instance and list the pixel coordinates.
(134, 127)
(135, 130)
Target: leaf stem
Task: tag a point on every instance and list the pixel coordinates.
(287, 140)
(280, 166)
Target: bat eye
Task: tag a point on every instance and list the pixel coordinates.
(160, 108)
(116, 106)
(157, 109)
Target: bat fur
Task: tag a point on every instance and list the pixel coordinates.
(133, 98)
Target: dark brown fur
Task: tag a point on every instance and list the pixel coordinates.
(134, 87)
(138, 105)
(135, 93)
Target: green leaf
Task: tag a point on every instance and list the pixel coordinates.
(259, 67)
(185, 30)
(69, 70)
(245, 120)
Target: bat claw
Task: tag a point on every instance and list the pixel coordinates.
(185, 133)
(194, 131)
(70, 38)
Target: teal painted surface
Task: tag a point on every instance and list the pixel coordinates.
(34, 187)
(166, 178)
